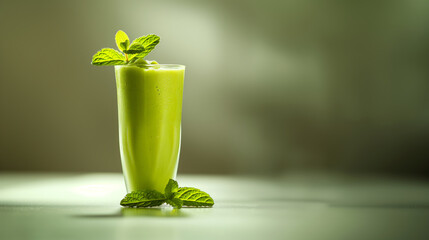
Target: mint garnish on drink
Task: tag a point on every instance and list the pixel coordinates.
(173, 195)
(129, 52)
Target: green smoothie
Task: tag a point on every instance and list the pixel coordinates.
(150, 112)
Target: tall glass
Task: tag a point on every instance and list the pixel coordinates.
(150, 113)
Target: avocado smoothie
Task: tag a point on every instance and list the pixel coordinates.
(149, 99)
(150, 110)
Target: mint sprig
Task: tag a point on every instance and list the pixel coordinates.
(173, 195)
(130, 53)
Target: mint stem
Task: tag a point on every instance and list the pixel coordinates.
(126, 58)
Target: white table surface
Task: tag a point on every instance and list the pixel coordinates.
(295, 206)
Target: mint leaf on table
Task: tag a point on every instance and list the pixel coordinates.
(122, 40)
(175, 202)
(148, 198)
(173, 195)
(194, 197)
(170, 193)
(108, 56)
(171, 189)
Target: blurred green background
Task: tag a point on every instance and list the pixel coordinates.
(271, 86)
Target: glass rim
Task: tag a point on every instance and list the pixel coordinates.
(154, 66)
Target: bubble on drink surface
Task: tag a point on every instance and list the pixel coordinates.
(154, 64)
(143, 63)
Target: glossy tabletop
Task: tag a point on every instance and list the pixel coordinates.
(295, 206)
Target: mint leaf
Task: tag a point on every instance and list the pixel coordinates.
(194, 197)
(122, 40)
(108, 56)
(175, 196)
(134, 49)
(175, 202)
(139, 48)
(170, 193)
(171, 188)
(148, 198)
(149, 42)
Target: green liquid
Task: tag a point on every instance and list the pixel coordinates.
(150, 112)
